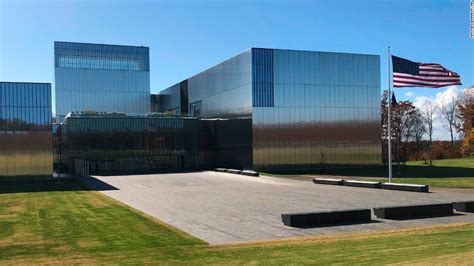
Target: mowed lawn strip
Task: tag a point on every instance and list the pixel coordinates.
(450, 173)
(446, 167)
(77, 222)
(68, 224)
(446, 182)
(467, 162)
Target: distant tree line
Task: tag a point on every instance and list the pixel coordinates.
(412, 128)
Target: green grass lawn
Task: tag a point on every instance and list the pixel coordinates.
(66, 223)
(466, 162)
(453, 182)
(454, 173)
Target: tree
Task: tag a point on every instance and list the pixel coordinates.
(448, 112)
(406, 125)
(427, 115)
(404, 114)
(465, 116)
(384, 113)
(418, 127)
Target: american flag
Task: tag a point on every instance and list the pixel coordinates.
(407, 73)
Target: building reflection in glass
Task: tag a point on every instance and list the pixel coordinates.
(25, 129)
(120, 143)
(101, 78)
(307, 109)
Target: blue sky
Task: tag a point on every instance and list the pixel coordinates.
(185, 37)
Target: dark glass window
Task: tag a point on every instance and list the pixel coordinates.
(262, 77)
(94, 56)
(25, 106)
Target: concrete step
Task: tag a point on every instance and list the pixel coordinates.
(233, 171)
(366, 184)
(414, 211)
(464, 206)
(328, 181)
(326, 218)
(405, 187)
(249, 173)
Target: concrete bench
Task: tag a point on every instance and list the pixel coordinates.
(326, 218)
(233, 171)
(366, 184)
(464, 206)
(328, 181)
(414, 211)
(220, 169)
(250, 173)
(405, 187)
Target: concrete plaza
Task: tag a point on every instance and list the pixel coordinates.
(227, 208)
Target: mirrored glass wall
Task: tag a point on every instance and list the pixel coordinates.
(101, 78)
(322, 110)
(25, 129)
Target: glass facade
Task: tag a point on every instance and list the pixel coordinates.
(325, 110)
(155, 103)
(129, 144)
(225, 90)
(307, 109)
(171, 101)
(225, 143)
(102, 78)
(25, 129)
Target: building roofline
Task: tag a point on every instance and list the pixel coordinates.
(295, 50)
(228, 58)
(220, 62)
(25, 82)
(90, 43)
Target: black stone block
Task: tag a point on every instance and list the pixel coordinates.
(464, 206)
(327, 218)
(250, 173)
(328, 181)
(233, 171)
(366, 184)
(405, 187)
(414, 211)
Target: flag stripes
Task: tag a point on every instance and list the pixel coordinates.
(412, 74)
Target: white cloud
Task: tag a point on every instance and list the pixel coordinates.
(448, 95)
(441, 98)
(409, 94)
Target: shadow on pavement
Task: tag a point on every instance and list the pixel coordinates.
(51, 184)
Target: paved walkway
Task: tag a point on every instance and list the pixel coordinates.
(227, 208)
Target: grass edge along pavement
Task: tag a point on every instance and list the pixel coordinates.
(75, 225)
(447, 173)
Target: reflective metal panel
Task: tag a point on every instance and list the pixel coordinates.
(224, 90)
(326, 111)
(102, 78)
(129, 144)
(171, 99)
(308, 109)
(25, 129)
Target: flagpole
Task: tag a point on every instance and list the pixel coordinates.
(388, 123)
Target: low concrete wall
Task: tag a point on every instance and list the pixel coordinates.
(405, 187)
(414, 211)
(366, 184)
(233, 171)
(328, 181)
(464, 206)
(327, 218)
(249, 173)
